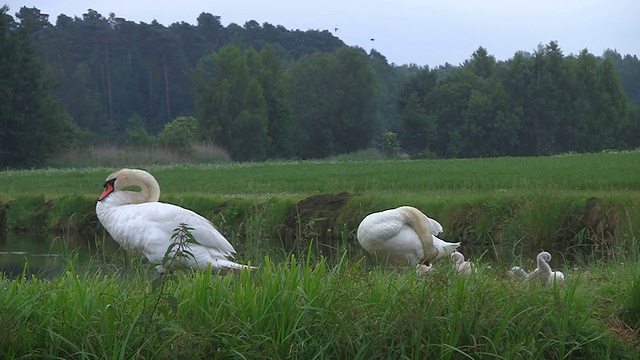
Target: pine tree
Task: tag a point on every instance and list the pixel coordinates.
(33, 125)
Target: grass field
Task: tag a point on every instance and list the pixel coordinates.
(346, 305)
(591, 173)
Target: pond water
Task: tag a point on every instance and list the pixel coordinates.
(46, 255)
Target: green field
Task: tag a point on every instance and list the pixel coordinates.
(592, 173)
(316, 294)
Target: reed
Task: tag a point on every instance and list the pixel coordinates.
(113, 156)
(308, 308)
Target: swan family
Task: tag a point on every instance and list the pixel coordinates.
(139, 222)
(542, 274)
(403, 236)
(462, 267)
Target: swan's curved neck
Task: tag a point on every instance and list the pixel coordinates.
(146, 194)
(420, 224)
(458, 258)
(543, 265)
(150, 191)
(149, 188)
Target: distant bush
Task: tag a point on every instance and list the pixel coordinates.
(179, 134)
(138, 138)
(389, 144)
(362, 155)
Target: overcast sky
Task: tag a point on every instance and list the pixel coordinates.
(423, 32)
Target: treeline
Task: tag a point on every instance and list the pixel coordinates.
(114, 74)
(264, 92)
(534, 104)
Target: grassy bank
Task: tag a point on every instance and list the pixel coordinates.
(582, 206)
(579, 228)
(336, 302)
(312, 309)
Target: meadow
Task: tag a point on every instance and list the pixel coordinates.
(316, 294)
(569, 173)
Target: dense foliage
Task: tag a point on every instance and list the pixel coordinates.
(264, 92)
(32, 124)
(534, 104)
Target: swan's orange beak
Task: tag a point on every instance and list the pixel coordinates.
(108, 189)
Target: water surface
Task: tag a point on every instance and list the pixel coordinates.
(45, 254)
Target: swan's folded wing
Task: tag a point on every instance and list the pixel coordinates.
(169, 217)
(376, 228)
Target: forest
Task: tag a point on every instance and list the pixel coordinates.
(261, 91)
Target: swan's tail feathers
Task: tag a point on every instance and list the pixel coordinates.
(450, 248)
(228, 265)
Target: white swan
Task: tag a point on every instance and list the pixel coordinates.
(462, 267)
(543, 272)
(138, 222)
(403, 236)
(422, 269)
(518, 273)
(557, 275)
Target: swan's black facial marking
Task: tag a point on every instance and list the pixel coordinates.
(111, 182)
(109, 187)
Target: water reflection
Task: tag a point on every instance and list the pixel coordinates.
(43, 254)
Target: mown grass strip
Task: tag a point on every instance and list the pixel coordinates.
(570, 173)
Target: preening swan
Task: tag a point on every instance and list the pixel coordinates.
(403, 236)
(543, 272)
(139, 222)
(462, 267)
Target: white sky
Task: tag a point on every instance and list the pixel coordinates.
(423, 32)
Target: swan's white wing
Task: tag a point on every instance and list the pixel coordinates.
(378, 227)
(167, 217)
(149, 227)
(387, 236)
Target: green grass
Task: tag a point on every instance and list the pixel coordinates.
(346, 305)
(589, 173)
(313, 309)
